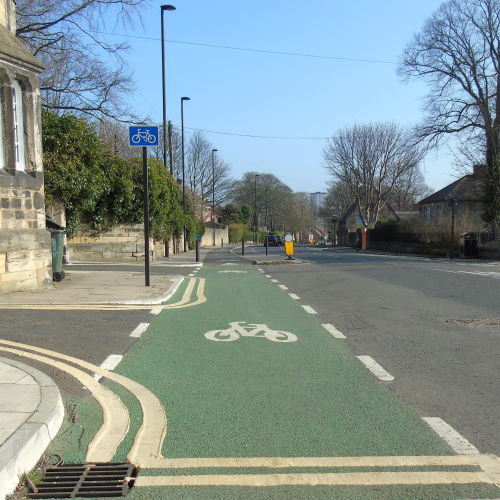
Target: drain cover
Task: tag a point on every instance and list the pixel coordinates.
(86, 480)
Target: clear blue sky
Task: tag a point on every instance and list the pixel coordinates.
(245, 92)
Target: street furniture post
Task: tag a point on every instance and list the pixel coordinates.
(144, 136)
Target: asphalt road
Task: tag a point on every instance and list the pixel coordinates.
(416, 317)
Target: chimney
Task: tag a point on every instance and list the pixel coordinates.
(479, 170)
(8, 15)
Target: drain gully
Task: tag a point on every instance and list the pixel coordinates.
(86, 480)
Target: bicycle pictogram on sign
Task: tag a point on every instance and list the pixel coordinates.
(144, 135)
(238, 329)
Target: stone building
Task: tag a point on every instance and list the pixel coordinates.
(467, 194)
(24, 242)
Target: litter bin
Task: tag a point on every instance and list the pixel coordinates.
(468, 245)
(57, 243)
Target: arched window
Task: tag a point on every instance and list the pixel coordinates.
(18, 115)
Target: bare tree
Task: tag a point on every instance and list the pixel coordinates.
(458, 53)
(408, 189)
(369, 160)
(85, 74)
(338, 198)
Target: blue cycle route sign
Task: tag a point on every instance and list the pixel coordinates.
(143, 135)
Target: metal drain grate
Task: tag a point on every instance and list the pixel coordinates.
(86, 480)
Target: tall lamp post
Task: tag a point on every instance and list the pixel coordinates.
(255, 209)
(213, 191)
(163, 9)
(183, 178)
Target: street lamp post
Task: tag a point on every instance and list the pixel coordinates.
(213, 191)
(163, 9)
(183, 178)
(255, 210)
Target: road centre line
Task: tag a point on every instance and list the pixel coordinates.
(451, 436)
(375, 368)
(139, 330)
(110, 363)
(294, 296)
(309, 309)
(283, 287)
(331, 329)
(489, 274)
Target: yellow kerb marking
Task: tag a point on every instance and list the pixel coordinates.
(184, 302)
(149, 439)
(115, 415)
(282, 462)
(340, 479)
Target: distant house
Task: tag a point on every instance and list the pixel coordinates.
(467, 196)
(351, 220)
(25, 255)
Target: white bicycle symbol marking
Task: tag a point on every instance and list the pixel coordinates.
(237, 330)
(144, 135)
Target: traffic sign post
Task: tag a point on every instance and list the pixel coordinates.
(144, 136)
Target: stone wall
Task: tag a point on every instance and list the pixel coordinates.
(221, 235)
(122, 243)
(25, 249)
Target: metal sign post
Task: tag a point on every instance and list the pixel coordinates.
(144, 136)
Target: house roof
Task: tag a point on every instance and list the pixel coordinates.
(13, 51)
(467, 188)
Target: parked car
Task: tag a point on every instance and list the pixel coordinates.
(273, 240)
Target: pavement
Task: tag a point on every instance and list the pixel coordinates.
(31, 409)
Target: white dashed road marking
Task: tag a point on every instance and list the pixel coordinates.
(309, 309)
(283, 287)
(110, 363)
(331, 329)
(294, 297)
(375, 368)
(275, 281)
(139, 330)
(155, 311)
(451, 436)
(267, 275)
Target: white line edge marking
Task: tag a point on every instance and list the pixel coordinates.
(451, 436)
(139, 330)
(110, 363)
(275, 281)
(375, 368)
(294, 296)
(267, 275)
(191, 275)
(283, 287)
(309, 309)
(155, 311)
(331, 329)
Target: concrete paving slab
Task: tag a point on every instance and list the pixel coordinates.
(30, 416)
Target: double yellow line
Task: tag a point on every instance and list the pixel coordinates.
(195, 285)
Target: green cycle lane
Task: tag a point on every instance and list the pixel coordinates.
(258, 397)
